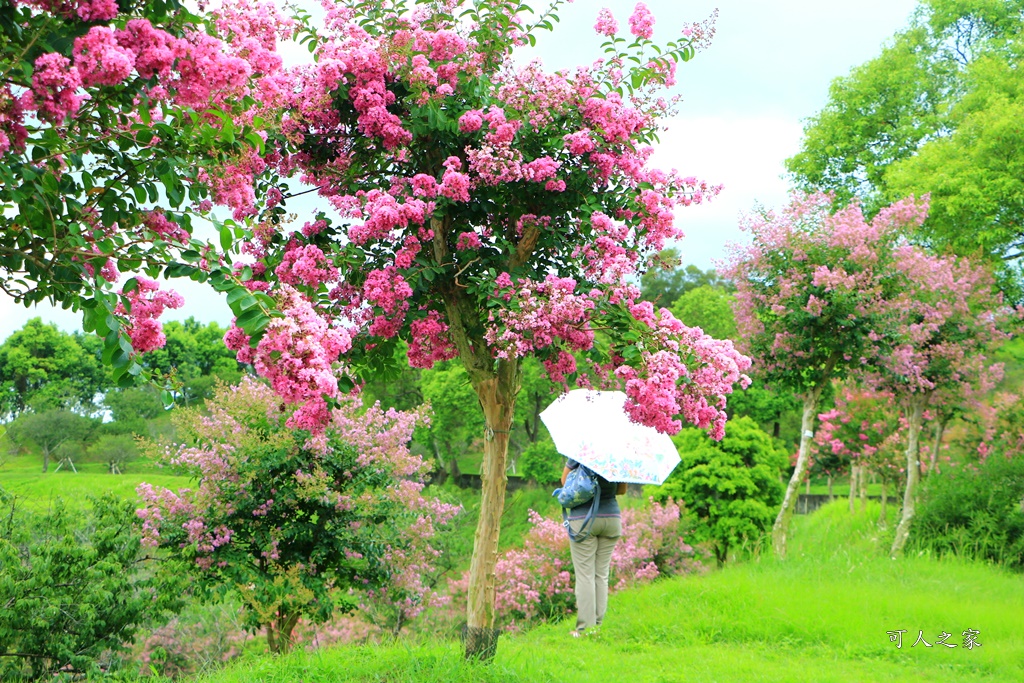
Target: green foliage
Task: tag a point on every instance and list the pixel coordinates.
(132, 409)
(732, 486)
(44, 367)
(666, 280)
(975, 175)
(541, 462)
(709, 308)
(455, 419)
(974, 512)
(194, 357)
(875, 116)
(69, 592)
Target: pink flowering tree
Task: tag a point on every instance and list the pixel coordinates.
(296, 531)
(477, 209)
(813, 293)
(950, 319)
(994, 424)
(118, 122)
(860, 430)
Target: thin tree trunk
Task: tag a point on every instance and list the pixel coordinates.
(915, 409)
(862, 488)
(940, 429)
(829, 479)
(780, 530)
(854, 474)
(807, 485)
(885, 498)
(497, 398)
(46, 460)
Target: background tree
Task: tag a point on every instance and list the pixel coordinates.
(115, 451)
(933, 113)
(812, 301)
(42, 366)
(856, 429)
(666, 280)
(950, 321)
(732, 486)
(50, 429)
(194, 357)
(133, 410)
(455, 421)
(70, 591)
(709, 308)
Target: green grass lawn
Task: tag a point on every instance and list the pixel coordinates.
(21, 476)
(820, 616)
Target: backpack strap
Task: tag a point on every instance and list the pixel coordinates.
(588, 521)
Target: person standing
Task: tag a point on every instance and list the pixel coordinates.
(592, 556)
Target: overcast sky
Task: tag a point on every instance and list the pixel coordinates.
(744, 102)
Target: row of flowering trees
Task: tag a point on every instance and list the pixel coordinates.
(474, 207)
(825, 295)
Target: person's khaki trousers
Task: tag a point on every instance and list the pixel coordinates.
(591, 558)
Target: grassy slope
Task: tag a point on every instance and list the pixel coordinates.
(821, 616)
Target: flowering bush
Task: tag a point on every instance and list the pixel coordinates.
(290, 522)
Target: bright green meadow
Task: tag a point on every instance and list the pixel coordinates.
(821, 616)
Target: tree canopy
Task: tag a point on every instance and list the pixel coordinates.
(934, 113)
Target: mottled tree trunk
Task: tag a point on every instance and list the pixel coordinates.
(780, 530)
(828, 478)
(497, 398)
(862, 487)
(915, 408)
(885, 499)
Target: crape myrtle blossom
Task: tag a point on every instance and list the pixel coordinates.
(255, 479)
(407, 227)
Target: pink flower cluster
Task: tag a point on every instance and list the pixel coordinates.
(429, 341)
(54, 83)
(164, 228)
(146, 303)
(606, 24)
(540, 315)
(641, 22)
(296, 354)
(305, 265)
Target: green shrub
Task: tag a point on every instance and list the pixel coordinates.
(541, 462)
(974, 511)
(68, 591)
(733, 486)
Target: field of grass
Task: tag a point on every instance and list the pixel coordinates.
(820, 616)
(21, 476)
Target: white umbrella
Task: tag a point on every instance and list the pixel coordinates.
(592, 428)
